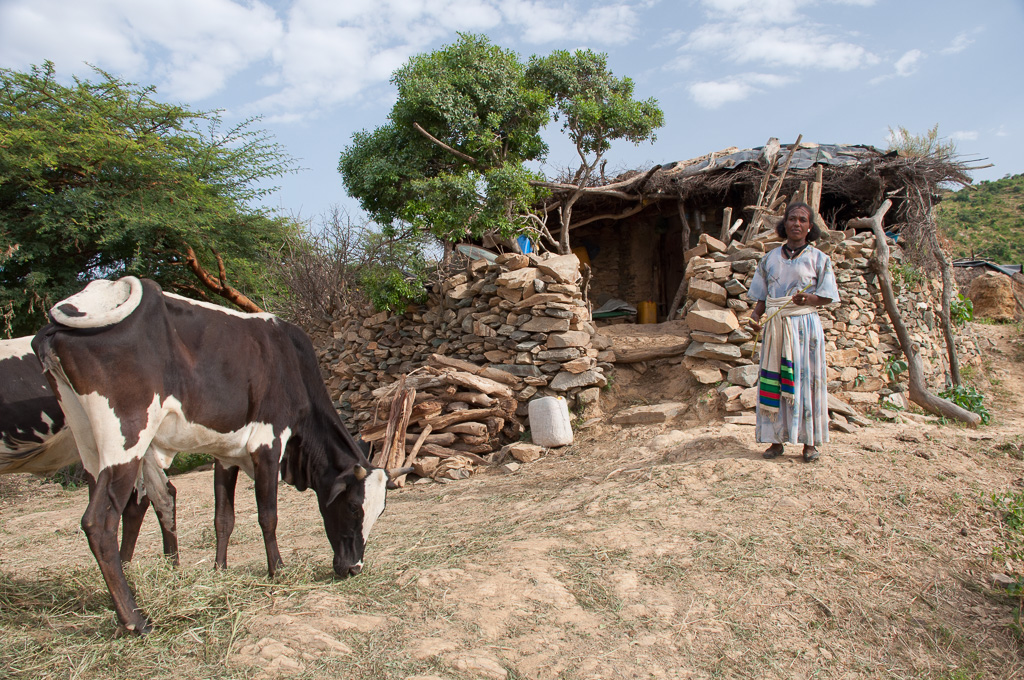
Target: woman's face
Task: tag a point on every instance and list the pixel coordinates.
(798, 224)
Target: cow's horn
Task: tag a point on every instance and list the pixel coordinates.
(398, 472)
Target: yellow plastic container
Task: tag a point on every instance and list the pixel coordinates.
(647, 312)
(581, 253)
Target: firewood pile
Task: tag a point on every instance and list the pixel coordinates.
(443, 419)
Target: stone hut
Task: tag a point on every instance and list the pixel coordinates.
(633, 230)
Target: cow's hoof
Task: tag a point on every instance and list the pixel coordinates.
(141, 627)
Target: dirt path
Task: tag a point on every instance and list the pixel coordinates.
(643, 552)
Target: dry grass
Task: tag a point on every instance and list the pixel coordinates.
(613, 558)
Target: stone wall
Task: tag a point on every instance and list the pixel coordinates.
(859, 339)
(525, 315)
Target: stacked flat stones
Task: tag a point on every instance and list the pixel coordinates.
(858, 337)
(523, 314)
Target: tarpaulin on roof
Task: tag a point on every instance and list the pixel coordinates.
(1008, 269)
(824, 154)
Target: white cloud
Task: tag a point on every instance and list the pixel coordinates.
(960, 43)
(907, 64)
(964, 136)
(542, 21)
(311, 53)
(795, 47)
(190, 47)
(680, 63)
(714, 94)
(768, 12)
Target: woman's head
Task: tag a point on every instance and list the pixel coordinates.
(813, 233)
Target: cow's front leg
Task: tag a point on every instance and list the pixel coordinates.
(224, 481)
(267, 472)
(131, 520)
(107, 499)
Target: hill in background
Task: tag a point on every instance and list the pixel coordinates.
(985, 220)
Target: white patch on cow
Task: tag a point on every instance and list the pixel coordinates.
(374, 490)
(167, 432)
(48, 421)
(15, 348)
(101, 303)
(223, 310)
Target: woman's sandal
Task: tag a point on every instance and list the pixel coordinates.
(811, 454)
(774, 451)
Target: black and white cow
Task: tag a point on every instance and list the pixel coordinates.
(33, 439)
(32, 433)
(140, 372)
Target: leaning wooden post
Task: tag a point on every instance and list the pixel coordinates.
(919, 393)
(681, 291)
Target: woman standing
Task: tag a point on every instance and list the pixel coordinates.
(790, 283)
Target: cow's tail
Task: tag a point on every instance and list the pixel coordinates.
(44, 459)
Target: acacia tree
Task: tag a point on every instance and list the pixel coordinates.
(452, 157)
(595, 108)
(98, 179)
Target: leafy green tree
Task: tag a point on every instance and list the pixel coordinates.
(450, 159)
(595, 108)
(98, 179)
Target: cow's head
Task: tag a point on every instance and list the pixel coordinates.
(350, 506)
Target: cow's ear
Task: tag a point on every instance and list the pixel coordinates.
(360, 472)
(339, 487)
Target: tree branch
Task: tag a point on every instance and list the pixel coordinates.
(435, 140)
(220, 287)
(919, 393)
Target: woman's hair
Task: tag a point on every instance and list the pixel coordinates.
(813, 235)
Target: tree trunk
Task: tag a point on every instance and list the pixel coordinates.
(947, 302)
(566, 218)
(919, 393)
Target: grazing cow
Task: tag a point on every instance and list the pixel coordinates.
(33, 439)
(143, 373)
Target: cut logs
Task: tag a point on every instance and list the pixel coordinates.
(463, 414)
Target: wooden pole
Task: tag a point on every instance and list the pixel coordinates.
(681, 291)
(726, 223)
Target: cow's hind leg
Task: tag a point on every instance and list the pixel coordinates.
(131, 524)
(164, 497)
(224, 480)
(108, 497)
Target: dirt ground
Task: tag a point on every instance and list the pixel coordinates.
(668, 551)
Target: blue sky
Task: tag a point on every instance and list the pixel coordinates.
(726, 72)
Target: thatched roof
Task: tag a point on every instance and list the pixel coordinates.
(855, 180)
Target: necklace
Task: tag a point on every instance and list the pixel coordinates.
(792, 253)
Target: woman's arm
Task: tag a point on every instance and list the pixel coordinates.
(810, 299)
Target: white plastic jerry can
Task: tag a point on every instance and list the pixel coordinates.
(550, 425)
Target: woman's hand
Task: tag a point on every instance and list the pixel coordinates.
(755, 321)
(806, 299)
